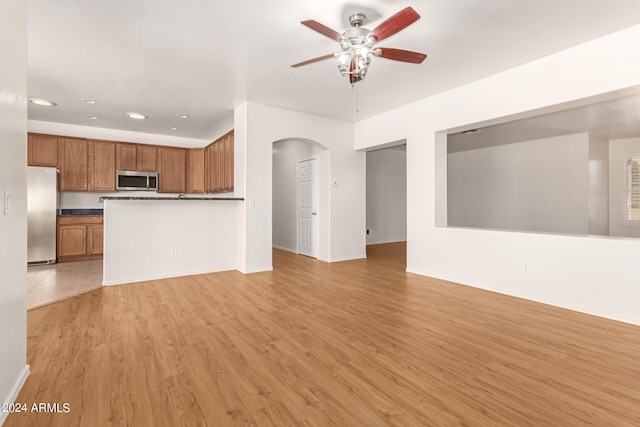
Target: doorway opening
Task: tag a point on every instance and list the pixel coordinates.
(386, 182)
(298, 219)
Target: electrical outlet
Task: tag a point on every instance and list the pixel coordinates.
(526, 269)
(173, 253)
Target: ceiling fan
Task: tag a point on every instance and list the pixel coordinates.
(357, 43)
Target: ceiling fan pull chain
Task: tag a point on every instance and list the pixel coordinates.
(355, 86)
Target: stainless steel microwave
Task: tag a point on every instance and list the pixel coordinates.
(136, 180)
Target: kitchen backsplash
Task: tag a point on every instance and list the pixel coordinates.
(87, 200)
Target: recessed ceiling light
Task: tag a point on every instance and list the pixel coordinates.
(88, 101)
(182, 116)
(471, 131)
(137, 116)
(42, 102)
(173, 128)
(93, 117)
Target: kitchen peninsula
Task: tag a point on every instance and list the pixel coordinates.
(147, 238)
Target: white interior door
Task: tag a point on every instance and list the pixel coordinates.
(308, 225)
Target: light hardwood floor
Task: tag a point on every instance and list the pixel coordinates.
(357, 343)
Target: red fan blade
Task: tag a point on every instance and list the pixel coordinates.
(322, 29)
(311, 61)
(397, 22)
(400, 55)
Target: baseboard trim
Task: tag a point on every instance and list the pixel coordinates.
(282, 248)
(15, 390)
(165, 276)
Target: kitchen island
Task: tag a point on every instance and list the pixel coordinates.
(147, 238)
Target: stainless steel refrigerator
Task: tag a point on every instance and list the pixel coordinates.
(42, 204)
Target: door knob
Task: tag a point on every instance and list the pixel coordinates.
(314, 213)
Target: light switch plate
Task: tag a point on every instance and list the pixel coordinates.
(6, 199)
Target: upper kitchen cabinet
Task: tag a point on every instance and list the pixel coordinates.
(42, 150)
(139, 157)
(146, 158)
(195, 171)
(172, 170)
(73, 161)
(228, 179)
(219, 165)
(126, 156)
(102, 166)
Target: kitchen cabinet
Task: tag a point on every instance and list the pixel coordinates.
(102, 166)
(73, 161)
(218, 154)
(132, 157)
(42, 150)
(146, 158)
(172, 170)
(195, 171)
(219, 165)
(126, 156)
(79, 237)
(228, 162)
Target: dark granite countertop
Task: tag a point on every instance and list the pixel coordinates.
(168, 198)
(76, 212)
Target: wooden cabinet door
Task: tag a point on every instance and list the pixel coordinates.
(215, 172)
(126, 158)
(228, 163)
(207, 168)
(73, 162)
(102, 166)
(195, 183)
(95, 239)
(172, 168)
(72, 240)
(42, 150)
(211, 169)
(146, 158)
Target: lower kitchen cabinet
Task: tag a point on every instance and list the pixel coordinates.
(80, 237)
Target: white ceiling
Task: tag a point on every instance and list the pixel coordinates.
(204, 57)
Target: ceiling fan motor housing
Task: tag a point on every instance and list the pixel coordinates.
(357, 20)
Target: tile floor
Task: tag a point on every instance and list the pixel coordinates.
(51, 283)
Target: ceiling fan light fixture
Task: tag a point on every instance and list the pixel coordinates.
(357, 43)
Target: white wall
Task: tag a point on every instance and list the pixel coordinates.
(540, 185)
(592, 274)
(139, 235)
(286, 155)
(13, 227)
(261, 126)
(618, 149)
(387, 195)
